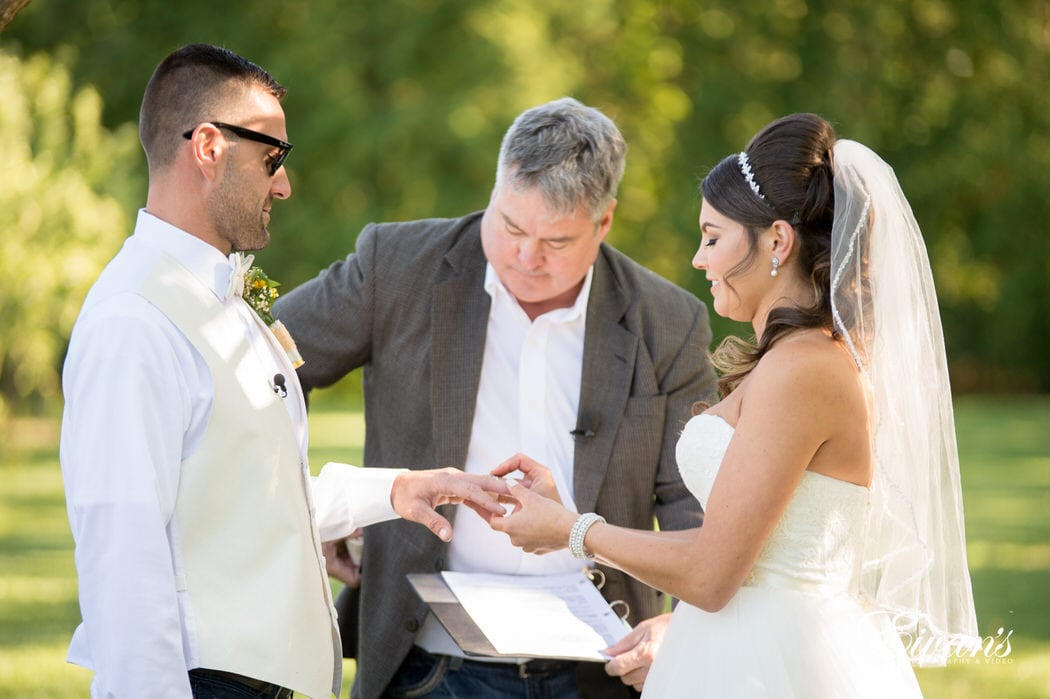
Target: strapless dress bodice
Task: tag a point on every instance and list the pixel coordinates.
(816, 545)
(796, 628)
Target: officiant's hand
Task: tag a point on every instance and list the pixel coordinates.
(633, 655)
(340, 562)
(416, 494)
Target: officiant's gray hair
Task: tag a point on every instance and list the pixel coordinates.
(573, 153)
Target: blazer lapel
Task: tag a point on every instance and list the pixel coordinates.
(459, 321)
(609, 352)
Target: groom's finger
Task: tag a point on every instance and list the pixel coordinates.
(441, 527)
(453, 486)
(483, 513)
(478, 498)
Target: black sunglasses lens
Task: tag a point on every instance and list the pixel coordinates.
(278, 161)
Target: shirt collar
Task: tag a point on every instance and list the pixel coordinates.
(203, 260)
(494, 286)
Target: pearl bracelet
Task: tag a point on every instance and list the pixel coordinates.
(579, 531)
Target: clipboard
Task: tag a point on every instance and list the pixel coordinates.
(433, 589)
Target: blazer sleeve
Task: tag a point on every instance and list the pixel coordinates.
(332, 316)
(689, 378)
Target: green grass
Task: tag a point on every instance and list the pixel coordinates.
(1005, 447)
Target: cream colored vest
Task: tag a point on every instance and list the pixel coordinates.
(254, 590)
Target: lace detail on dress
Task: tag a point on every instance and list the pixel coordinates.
(699, 453)
(815, 545)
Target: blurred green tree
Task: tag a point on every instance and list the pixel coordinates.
(397, 110)
(8, 10)
(63, 213)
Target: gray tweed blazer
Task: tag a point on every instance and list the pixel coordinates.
(410, 308)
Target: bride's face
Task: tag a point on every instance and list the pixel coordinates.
(736, 281)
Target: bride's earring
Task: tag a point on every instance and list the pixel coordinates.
(776, 265)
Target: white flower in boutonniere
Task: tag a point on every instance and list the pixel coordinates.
(260, 292)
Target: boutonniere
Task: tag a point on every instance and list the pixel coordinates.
(260, 292)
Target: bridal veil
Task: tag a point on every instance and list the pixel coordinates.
(885, 308)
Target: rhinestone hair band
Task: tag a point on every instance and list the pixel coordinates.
(745, 168)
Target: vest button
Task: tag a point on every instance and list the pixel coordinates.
(412, 625)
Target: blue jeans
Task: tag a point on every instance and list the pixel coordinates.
(211, 684)
(445, 677)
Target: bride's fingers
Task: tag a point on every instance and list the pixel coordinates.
(508, 466)
(521, 462)
(519, 491)
(486, 515)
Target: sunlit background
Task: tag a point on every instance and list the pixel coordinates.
(396, 109)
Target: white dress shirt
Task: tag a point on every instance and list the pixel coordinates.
(138, 399)
(528, 400)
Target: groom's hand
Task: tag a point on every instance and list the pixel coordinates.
(633, 655)
(416, 494)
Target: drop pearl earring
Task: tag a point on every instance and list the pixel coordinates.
(776, 264)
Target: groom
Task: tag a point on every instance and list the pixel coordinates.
(183, 443)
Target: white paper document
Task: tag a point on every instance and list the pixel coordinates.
(539, 616)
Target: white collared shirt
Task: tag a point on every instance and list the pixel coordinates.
(528, 400)
(138, 399)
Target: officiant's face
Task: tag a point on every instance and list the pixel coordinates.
(541, 257)
(242, 199)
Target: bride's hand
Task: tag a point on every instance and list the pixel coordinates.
(537, 477)
(538, 524)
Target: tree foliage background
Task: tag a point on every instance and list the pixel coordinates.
(397, 109)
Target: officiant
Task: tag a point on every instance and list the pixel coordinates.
(516, 328)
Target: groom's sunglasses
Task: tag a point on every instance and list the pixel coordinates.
(283, 147)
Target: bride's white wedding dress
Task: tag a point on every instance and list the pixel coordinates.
(796, 627)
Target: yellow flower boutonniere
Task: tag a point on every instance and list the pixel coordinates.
(260, 292)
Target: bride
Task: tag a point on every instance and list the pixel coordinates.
(832, 550)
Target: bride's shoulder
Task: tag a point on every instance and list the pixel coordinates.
(807, 361)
